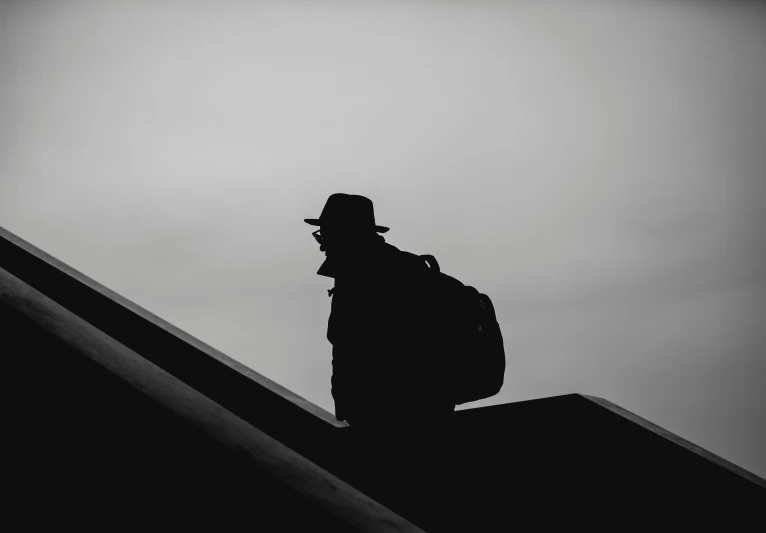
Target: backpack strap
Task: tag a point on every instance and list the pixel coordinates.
(431, 261)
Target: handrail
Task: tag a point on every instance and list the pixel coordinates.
(676, 439)
(250, 395)
(9, 241)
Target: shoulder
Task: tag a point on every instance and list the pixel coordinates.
(400, 258)
(403, 268)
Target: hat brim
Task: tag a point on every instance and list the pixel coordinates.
(317, 222)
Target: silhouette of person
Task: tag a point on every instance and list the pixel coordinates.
(386, 364)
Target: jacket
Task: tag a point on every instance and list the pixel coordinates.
(386, 362)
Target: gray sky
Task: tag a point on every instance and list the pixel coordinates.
(597, 168)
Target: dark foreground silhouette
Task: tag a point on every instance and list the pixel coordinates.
(408, 343)
(383, 368)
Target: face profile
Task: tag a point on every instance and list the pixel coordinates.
(326, 238)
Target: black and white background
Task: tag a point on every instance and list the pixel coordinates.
(598, 168)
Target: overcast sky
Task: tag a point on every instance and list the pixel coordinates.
(597, 168)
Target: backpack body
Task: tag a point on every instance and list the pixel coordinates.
(465, 331)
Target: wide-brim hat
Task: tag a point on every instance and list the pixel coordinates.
(347, 210)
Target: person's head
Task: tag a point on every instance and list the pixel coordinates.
(347, 222)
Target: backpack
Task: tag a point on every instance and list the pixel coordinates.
(470, 335)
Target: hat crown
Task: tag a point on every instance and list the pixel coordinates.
(348, 209)
(351, 210)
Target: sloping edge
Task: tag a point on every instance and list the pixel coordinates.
(654, 428)
(172, 330)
